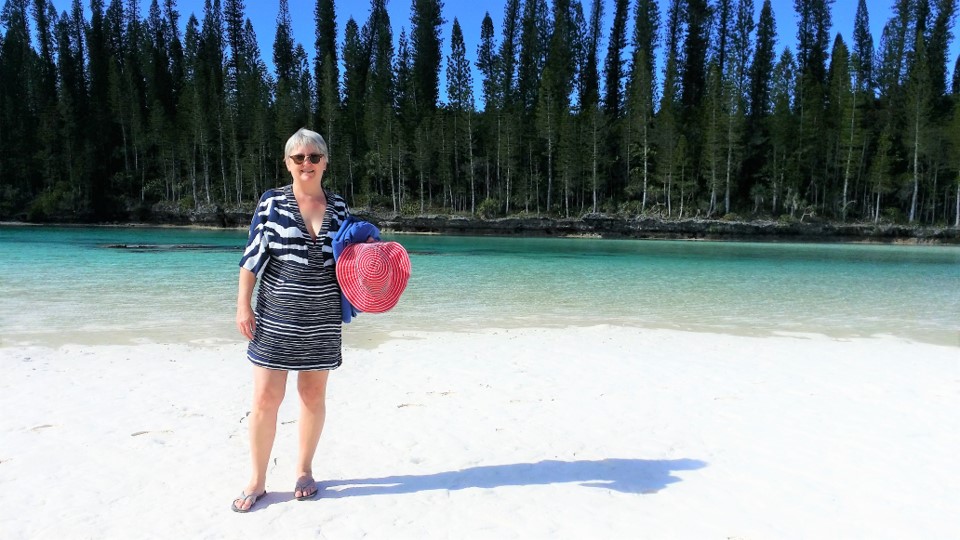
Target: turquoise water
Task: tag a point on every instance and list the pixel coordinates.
(66, 285)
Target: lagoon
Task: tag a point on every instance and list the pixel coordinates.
(114, 285)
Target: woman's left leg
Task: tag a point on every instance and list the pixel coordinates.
(312, 386)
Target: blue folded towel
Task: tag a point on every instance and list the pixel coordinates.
(352, 231)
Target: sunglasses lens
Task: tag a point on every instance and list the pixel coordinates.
(299, 158)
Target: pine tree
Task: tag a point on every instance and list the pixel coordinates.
(640, 96)
(290, 113)
(780, 164)
(666, 124)
(18, 118)
(210, 60)
(426, 44)
(161, 165)
(716, 97)
(233, 17)
(893, 48)
(589, 99)
(236, 73)
(460, 95)
(425, 21)
(213, 55)
(613, 65)
(258, 152)
(842, 131)
(862, 57)
(560, 54)
(864, 85)
(560, 64)
(613, 74)
(813, 35)
(693, 68)
(508, 122)
(73, 99)
(735, 94)
(326, 70)
(191, 118)
(938, 42)
(175, 48)
(44, 88)
(756, 133)
(533, 51)
(507, 55)
(130, 97)
(487, 62)
(919, 92)
(355, 66)
(403, 79)
(378, 99)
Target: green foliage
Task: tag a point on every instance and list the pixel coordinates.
(142, 114)
(489, 208)
(410, 208)
(53, 204)
(894, 215)
(187, 204)
(787, 219)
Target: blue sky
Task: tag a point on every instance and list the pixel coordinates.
(470, 13)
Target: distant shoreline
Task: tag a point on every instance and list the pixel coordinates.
(589, 226)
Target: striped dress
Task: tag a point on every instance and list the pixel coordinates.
(298, 317)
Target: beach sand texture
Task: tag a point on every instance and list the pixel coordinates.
(597, 432)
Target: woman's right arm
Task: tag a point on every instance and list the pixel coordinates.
(246, 322)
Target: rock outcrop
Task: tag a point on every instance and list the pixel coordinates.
(688, 229)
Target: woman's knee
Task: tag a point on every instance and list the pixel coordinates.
(268, 388)
(313, 390)
(313, 397)
(267, 398)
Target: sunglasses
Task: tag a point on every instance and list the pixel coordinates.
(314, 158)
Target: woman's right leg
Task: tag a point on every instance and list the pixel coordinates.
(268, 388)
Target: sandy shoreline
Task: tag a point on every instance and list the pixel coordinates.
(600, 432)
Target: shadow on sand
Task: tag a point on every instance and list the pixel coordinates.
(624, 475)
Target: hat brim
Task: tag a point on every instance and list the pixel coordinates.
(373, 275)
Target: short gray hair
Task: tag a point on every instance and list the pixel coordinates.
(305, 137)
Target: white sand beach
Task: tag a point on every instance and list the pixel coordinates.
(599, 432)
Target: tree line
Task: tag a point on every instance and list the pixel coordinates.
(121, 113)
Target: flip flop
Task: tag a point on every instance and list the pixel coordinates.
(303, 483)
(244, 497)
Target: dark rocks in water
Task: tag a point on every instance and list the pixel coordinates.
(172, 247)
(595, 225)
(590, 225)
(208, 215)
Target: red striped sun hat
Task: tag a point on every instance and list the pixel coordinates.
(372, 275)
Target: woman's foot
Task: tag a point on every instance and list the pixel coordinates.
(248, 498)
(306, 487)
(244, 503)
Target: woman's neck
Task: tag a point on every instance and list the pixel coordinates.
(313, 191)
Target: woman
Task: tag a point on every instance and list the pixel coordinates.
(297, 322)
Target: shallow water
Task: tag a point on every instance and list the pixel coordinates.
(78, 285)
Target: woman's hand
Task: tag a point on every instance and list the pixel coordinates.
(246, 322)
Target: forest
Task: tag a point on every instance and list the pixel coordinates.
(114, 115)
